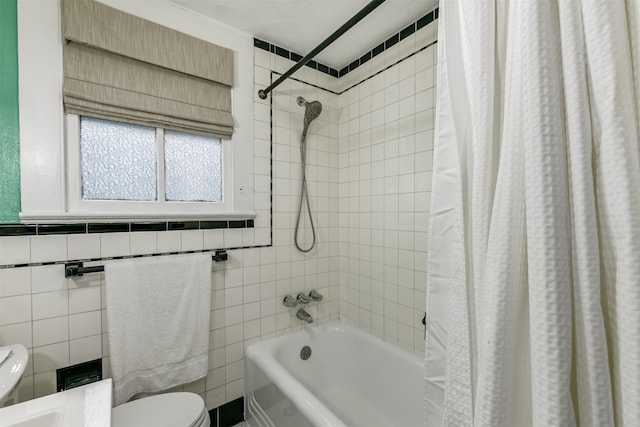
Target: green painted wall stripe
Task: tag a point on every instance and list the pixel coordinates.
(9, 119)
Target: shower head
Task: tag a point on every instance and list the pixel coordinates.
(311, 112)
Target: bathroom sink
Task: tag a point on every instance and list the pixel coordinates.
(89, 405)
(49, 419)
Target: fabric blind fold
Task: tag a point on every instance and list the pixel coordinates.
(121, 67)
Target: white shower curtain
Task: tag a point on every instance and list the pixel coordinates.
(533, 298)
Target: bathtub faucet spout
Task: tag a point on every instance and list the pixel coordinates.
(303, 315)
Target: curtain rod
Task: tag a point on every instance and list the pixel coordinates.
(262, 93)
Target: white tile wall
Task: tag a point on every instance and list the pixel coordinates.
(369, 175)
(385, 157)
(63, 321)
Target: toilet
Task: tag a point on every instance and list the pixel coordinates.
(11, 371)
(169, 409)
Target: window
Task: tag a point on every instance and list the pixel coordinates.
(193, 167)
(121, 161)
(117, 68)
(51, 180)
(143, 171)
(118, 161)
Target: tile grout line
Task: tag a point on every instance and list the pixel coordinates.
(364, 79)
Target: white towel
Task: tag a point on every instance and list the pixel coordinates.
(158, 312)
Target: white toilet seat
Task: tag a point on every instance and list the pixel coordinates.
(162, 410)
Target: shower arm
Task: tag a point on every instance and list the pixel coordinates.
(262, 93)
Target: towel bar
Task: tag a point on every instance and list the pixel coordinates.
(76, 268)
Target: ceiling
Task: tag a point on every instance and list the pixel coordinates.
(300, 25)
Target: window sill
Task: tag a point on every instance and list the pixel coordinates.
(63, 218)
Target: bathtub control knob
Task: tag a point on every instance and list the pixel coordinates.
(289, 301)
(315, 296)
(303, 299)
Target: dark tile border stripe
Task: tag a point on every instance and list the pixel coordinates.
(395, 38)
(295, 57)
(183, 225)
(148, 226)
(363, 80)
(407, 31)
(63, 262)
(231, 413)
(118, 227)
(425, 20)
(213, 417)
(17, 230)
(386, 68)
(94, 228)
(271, 164)
(44, 229)
(212, 225)
(391, 41)
(275, 73)
(112, 227)
(237, 224)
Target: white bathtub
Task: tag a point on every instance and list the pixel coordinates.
(350, 379)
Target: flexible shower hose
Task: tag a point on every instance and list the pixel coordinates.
(304, 197)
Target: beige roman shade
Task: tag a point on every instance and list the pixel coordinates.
(121, 67)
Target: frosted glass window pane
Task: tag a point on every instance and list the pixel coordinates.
(193, 167)
(118, 160)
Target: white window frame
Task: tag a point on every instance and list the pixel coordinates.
(44, 161)
(160, 207)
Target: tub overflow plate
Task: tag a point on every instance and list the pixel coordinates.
(305, 353)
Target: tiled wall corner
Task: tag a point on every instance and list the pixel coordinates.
(385, 157)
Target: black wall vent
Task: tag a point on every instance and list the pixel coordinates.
(78, 375)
